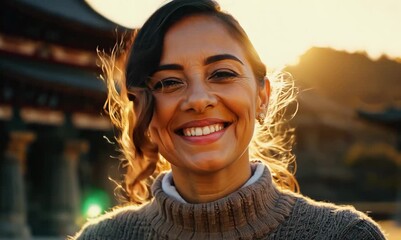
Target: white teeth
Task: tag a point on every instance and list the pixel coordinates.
(206, 130)
(212, 128)
(201, 131)
(198, 131)
(187, 132)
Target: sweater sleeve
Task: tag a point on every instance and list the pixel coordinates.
(96, 231)
(122, 223)
(363, 229)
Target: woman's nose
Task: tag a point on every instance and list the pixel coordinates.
(198, 98)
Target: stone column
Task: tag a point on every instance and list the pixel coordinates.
(13, 210)
(398, 201)
(63, 196)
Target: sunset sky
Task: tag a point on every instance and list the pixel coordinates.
(281, 30)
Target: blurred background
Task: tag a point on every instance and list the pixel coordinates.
(58, 159)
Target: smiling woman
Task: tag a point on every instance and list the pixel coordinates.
(194, 92)
(211, 89)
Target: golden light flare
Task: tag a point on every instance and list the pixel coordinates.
(283, 30)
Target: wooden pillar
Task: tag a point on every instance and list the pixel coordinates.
(63, 193)
(398, 201)
(13, 212)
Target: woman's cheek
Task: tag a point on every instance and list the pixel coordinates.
(159, 126)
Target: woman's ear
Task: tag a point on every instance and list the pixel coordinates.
(264, 94)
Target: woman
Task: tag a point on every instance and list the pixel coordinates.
(194, 90)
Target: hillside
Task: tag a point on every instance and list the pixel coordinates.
(350, 78)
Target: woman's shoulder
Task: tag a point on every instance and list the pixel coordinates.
(121, 221)
(337, 221)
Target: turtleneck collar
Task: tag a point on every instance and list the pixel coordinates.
(252, 211)
(169, 187)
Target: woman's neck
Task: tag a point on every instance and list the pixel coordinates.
(207, 187)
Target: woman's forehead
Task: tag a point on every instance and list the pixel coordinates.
(199, 36)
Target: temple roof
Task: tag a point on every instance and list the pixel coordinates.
(50, 73)
(42, 84)
(71, 23)
(74, 10)
(390, 118)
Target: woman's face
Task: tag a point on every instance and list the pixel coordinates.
(206, 97)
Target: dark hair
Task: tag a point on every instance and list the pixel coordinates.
(147, 48)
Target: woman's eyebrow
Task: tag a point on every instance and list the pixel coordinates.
(220, 57)
(209, 60)
(168, 67)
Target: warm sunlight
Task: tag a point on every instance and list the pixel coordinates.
(282, 30)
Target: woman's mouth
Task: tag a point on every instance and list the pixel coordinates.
(202, 131)
(198, 131)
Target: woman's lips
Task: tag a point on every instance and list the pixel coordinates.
(201, 127)
(203, 131)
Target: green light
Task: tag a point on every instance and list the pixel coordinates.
(94, 210)
(95, 203)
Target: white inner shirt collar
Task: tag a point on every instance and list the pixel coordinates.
(169, 188)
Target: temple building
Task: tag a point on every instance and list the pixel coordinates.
(57, 147)
(390, 119)
(347, 130)
(51, 117)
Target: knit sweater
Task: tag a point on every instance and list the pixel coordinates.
(258, 211)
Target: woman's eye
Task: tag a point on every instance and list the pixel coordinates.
(167, 85)
(223, 74)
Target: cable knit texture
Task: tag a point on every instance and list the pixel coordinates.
(258, 211)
